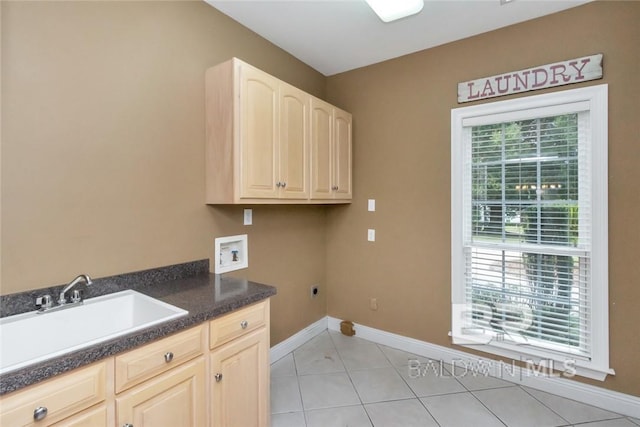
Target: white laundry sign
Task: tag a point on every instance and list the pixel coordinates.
(541, 77)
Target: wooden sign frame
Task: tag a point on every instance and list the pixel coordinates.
(536, 78)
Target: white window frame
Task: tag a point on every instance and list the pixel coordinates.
(597, 365)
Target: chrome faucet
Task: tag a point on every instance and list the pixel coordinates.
(44, 303)
(62, 299)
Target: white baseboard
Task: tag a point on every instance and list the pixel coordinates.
(609, 400)
(285, 347)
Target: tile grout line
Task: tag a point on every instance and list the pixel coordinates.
(542, 403)
(347, 372)
(335, 347)
(487, 408)
(395, 368)
(569, 422)
(295, 367)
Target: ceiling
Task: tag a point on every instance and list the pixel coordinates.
(334, 36)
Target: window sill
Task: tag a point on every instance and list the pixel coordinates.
(539, 363)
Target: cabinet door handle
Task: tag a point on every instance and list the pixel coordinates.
(127, 425)
(284, 184)
(168, 356)
(40, 412)
(278, 184)
(218, 377)
(244, 324)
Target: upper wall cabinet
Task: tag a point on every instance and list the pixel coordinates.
(263, 142)
(330, 152)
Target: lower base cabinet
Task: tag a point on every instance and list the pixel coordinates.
(215, 374)
(175, 398)
(240, 382)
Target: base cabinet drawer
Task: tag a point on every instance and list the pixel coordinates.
(56, 399)
(175, 398)
(233, 325)
(138, 365)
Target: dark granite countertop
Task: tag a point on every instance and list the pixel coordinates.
(204, 295)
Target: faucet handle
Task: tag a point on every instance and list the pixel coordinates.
(44, 302)
(76, 296)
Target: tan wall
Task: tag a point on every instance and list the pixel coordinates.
(103, 149)
(401, 111)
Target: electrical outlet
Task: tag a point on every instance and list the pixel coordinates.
(314, 291)
(248, 217)
(373, 304)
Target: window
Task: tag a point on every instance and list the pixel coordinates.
(529, 228)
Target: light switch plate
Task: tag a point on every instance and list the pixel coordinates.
(248, 216)
(371, 206)
(371, 235)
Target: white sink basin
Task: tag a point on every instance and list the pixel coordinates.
(35, 337)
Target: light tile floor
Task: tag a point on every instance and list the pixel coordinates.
(334, 380)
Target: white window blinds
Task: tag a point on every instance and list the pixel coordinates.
(527, 236)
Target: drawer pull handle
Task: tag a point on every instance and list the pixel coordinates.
(168, 357)
(40, 412)
(244, 324)
(218, 377)
(127, 425)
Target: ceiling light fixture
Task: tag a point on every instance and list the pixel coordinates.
(390, 10)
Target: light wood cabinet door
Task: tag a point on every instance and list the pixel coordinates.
(240, 382)
(258, 133)
(175, 398)
(321, 149)
(342, 154)
(330, 152)
(293, 146)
